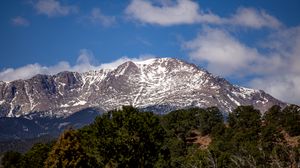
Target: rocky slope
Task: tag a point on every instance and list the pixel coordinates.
(160, 85)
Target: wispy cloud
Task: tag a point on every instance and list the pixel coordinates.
(20, 21)
(189, 12)
(53, 8)
(85, 62)
(276, 70)
(253, 18)
(98, 18)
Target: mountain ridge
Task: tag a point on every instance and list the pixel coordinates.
(159, 84)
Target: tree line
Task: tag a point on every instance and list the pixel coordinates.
(130, 138)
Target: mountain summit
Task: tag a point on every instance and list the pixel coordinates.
(161, 85)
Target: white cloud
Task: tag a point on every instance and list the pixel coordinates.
(283, 78)
(121, 60)
(250, 17)
(20, 21)
(182, 12)
(83, 64)
(30, 70)
(276, 70)
(222, 53)
(188, 12)
(284, 87)
(53, 8)
(97, 17)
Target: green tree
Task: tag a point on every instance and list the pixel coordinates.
(209, 119)
(291, 121)
(67, 152)
(245, 118)
(37, 155)
(127, 138)
(274, 116)
(12, 159)
(271, 137)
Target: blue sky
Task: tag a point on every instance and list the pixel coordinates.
(251, 43)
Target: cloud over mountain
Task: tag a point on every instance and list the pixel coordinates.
(84, 63)
(276, 70)
(222, 53)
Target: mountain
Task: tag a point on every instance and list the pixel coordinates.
(160, 85)
(21, 133)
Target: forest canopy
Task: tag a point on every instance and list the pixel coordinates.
(192, 137)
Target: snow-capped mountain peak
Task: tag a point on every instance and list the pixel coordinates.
(158, 84)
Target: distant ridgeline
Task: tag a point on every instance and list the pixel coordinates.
(30, 127)
(192, 137)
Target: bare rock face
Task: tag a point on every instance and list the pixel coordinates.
(160, 85)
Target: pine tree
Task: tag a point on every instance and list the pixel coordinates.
(68, 152)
